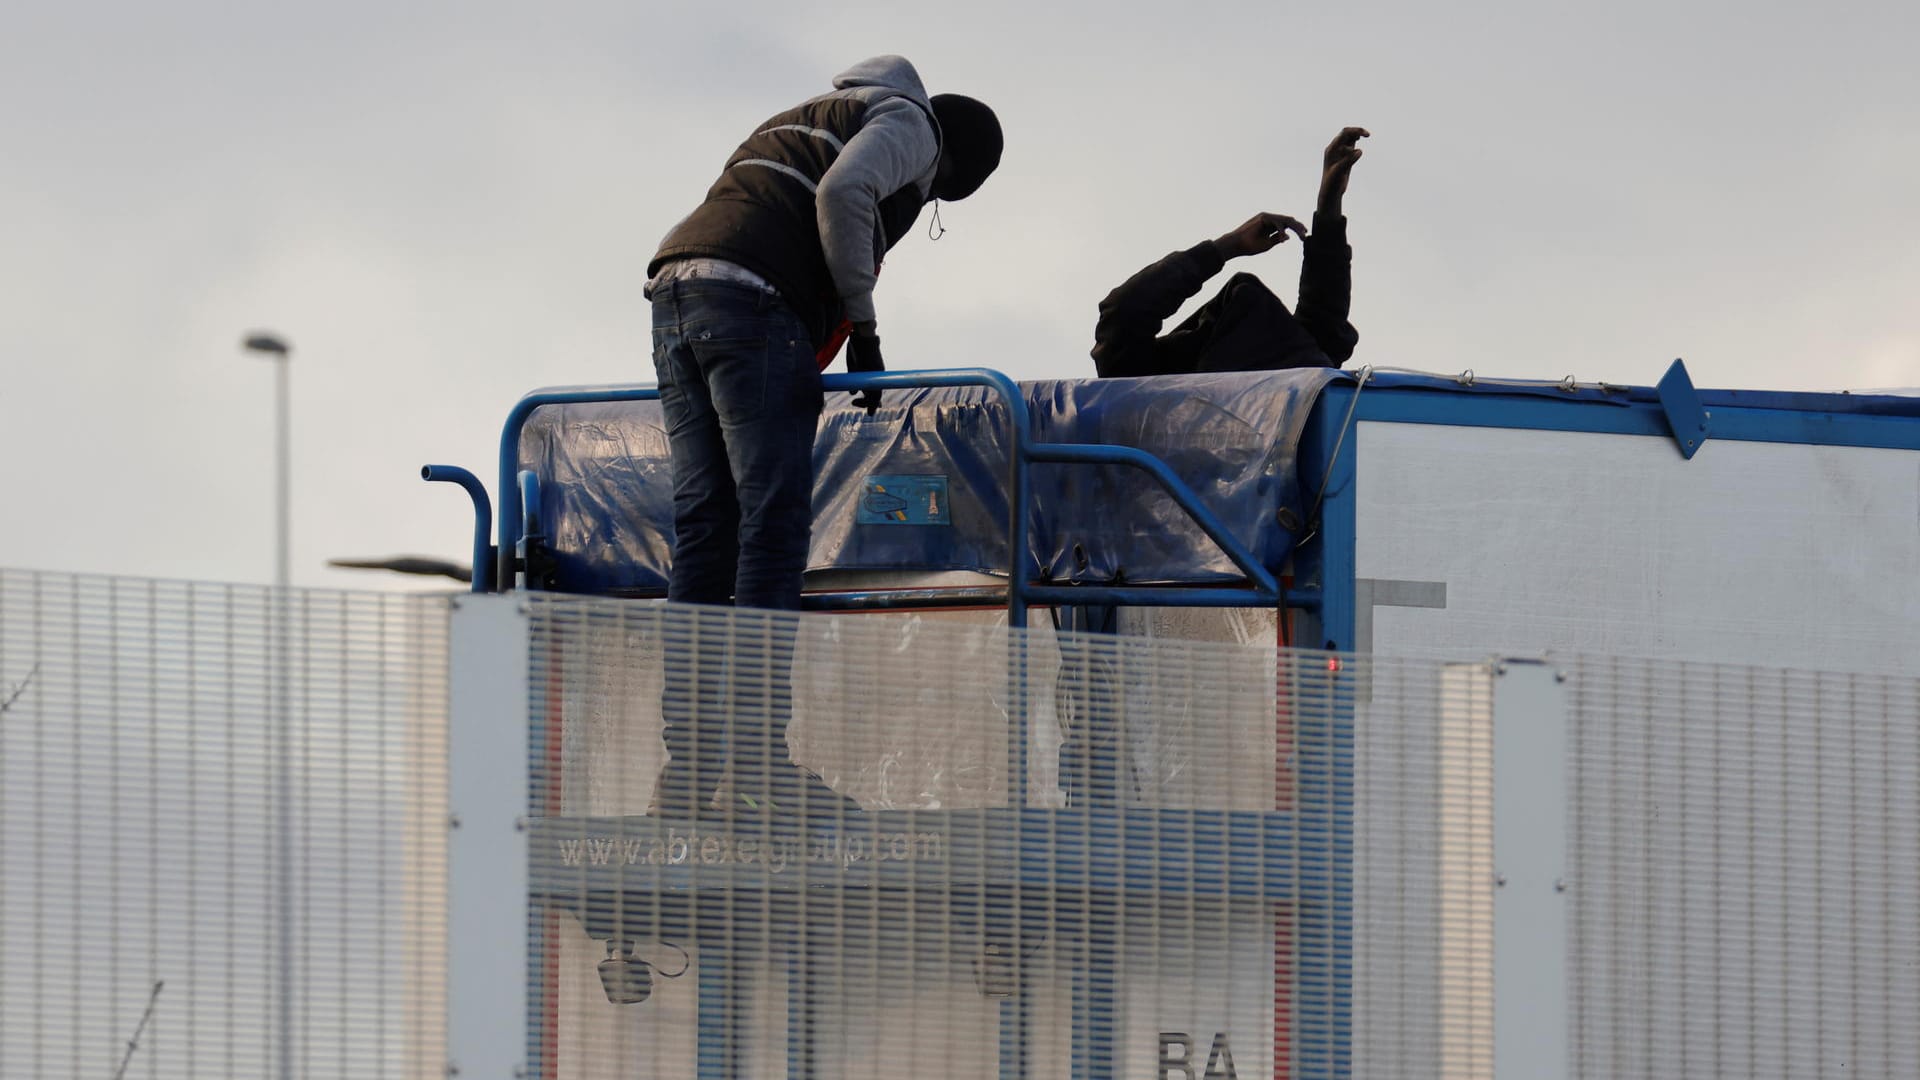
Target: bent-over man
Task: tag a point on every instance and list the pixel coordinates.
(751, 295)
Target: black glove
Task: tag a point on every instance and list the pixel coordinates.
(863, 354)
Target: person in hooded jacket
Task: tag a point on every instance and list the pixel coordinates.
(753, 293)
(1245, 327)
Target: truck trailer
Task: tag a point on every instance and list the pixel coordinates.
(1081, 863)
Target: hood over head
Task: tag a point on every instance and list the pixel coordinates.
(892, 72)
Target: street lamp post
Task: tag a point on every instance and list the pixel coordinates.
(275, 348)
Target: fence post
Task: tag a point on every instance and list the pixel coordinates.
(488, 919)
(1530, 861)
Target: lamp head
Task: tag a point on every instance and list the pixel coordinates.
(262, 342)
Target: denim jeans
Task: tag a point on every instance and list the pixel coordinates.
(740, 390)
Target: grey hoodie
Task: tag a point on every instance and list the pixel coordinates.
(809, 199)
(898, 145)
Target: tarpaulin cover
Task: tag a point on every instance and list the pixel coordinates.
(922, 485)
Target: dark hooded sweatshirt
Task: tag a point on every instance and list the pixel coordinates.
(1245, 328)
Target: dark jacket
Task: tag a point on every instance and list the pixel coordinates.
(817, 195)
(1245, 328)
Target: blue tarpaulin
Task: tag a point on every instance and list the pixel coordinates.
(921, 486)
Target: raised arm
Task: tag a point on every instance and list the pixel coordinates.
(1326, 267)
(1125, 339)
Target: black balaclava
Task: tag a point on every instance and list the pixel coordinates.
(970, 140)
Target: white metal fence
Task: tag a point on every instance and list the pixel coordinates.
(1172, 873)
(903, 919)
(1746, 853)
(169, 908)
(1001, 853)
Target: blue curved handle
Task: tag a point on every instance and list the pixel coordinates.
(482, 516)
(529, 503)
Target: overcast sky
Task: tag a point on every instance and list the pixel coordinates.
(445, 205)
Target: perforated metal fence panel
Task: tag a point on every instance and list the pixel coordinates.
(1746, 879)
(935, 846)
(1423, 872)
(764, 845)
(221, 830)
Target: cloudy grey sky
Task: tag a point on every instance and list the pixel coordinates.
(445, 205)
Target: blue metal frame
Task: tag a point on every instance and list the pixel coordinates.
(1324, 559)
(482, 516)
(1262, 590)
(1324, 772)
(1265, 588)
(529, 504)
(1735, 420)
(1322, 1021)
(509, 488)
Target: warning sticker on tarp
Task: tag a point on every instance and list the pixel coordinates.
(904, 500)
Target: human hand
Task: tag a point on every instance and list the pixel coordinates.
(863, 354)
(1261, 233)
(1337, 165)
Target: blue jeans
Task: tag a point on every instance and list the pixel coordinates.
(740, 390)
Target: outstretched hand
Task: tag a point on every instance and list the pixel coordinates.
(1337, 165)
(1261, 233)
